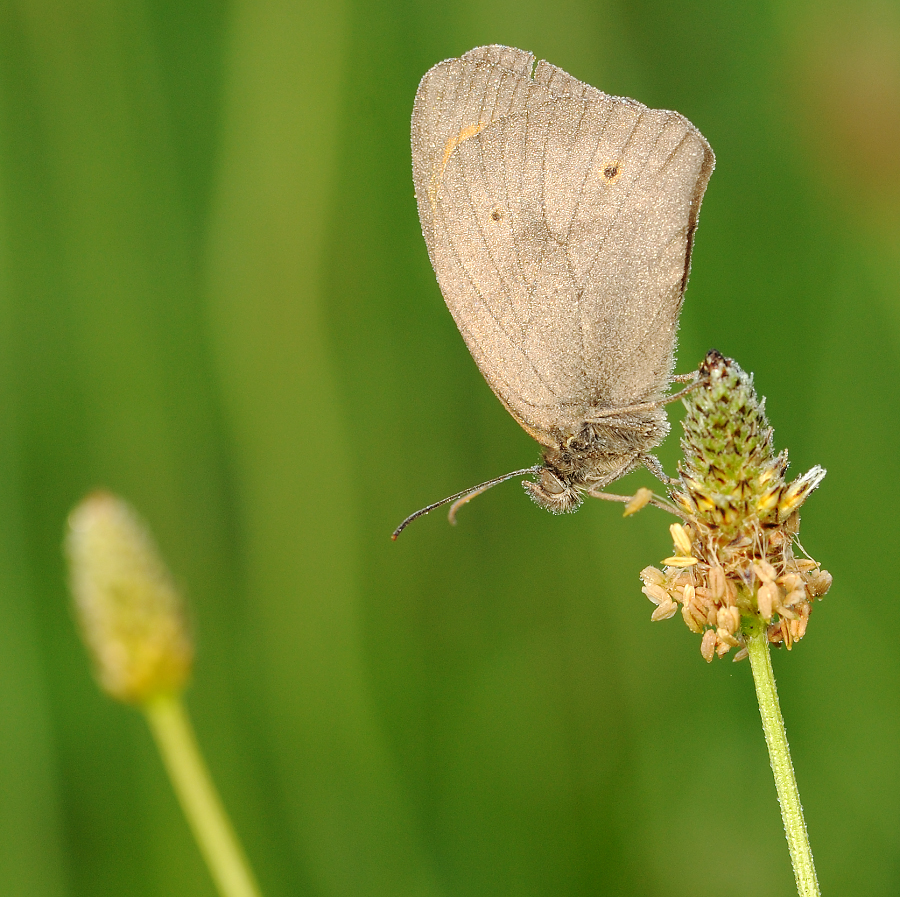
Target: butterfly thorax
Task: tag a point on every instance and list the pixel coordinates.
(598, 454)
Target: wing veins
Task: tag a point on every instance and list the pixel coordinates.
(579, 292)
(624, 199)
(631, 189)
(483, 299)
(587, 174)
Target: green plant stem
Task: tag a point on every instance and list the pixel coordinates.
(201, 804)
(780, 759)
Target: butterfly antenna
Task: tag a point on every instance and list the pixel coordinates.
(466, 495)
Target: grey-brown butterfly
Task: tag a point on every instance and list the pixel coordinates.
(559, 222)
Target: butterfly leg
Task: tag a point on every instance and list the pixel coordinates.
(647, 406)
(651, 462)
(654, 500)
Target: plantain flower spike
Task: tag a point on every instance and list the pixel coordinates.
(733, 561)
(132, 617)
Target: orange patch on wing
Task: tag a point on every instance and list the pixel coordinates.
(452, 144)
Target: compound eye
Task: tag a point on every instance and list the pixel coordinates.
(551, 484)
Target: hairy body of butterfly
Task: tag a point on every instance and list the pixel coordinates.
(599, 454)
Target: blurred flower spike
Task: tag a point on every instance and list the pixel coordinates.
(132, 618)
(733, 562)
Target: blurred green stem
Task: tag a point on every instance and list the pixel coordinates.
(780, 759)
(201, 804)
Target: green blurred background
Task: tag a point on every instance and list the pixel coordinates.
(216, 301)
